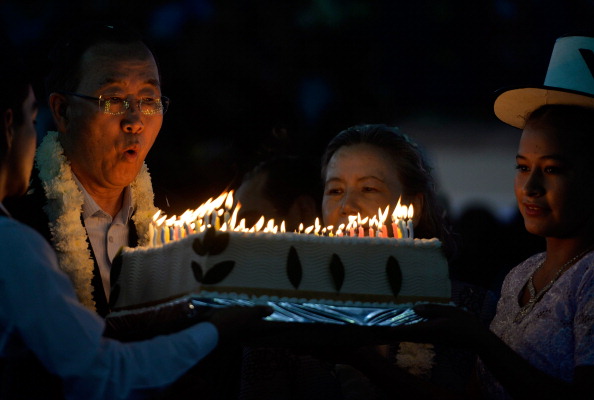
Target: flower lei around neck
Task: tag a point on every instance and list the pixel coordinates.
(64, 209)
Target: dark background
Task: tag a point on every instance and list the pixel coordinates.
(252, 78)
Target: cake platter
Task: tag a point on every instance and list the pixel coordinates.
(290, 324)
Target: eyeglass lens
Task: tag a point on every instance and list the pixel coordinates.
(147, 106)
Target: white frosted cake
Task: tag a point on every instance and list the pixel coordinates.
(283, 267)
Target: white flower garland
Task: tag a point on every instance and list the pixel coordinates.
(64, 209)
(416, 358)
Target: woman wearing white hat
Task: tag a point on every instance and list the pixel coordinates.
(541, 342)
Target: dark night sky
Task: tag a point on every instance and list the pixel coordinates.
(251, 78)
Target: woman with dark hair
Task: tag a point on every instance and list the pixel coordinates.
(367, 167)
(540, 344)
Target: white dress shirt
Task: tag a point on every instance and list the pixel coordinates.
(107, 235)
(40, 314)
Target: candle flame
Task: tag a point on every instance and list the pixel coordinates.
(229, 201)
(222, 213)
(234, 216)
(156, 215)
(383, 216)
(219, 201)
(259, 224)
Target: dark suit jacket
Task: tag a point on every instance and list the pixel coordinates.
(29, 210)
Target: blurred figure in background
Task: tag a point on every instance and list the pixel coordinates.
(286, 188)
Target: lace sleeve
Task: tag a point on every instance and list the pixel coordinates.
(584, 320)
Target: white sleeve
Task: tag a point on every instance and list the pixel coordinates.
(39, 304)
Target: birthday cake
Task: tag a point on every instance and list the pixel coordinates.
(260, 266)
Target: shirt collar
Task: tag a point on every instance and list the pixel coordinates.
(90, 206)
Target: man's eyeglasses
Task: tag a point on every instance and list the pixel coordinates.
(113, 105)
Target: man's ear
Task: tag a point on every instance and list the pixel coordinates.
(58, 105)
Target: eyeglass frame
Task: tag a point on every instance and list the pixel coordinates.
(164, 100)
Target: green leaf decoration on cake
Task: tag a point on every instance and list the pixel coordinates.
(197, 271)
(214, 242)
(294, 269)
(394, 275)
(218, 272)
(198, 247)
(215, 274)
(337, 272)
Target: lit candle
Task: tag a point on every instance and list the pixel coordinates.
(402, 228)
(371, 233)
(339, 231)
(228, 206)
(164, 234)
(217, 215)
(351, 225)
(159, 230)
(395, 229)
(409, 224)
(260, 224)
(361, 232)
(151, 233)
(384, 231)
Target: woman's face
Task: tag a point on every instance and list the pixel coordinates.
(360, 179)
(554, 183)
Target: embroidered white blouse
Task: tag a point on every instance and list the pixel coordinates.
(558, 334)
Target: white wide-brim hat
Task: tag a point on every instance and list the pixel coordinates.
(569, 81)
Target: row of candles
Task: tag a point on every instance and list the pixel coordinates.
(221, 214)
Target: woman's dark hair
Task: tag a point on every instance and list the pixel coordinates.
(67, 54)
(412, 168)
